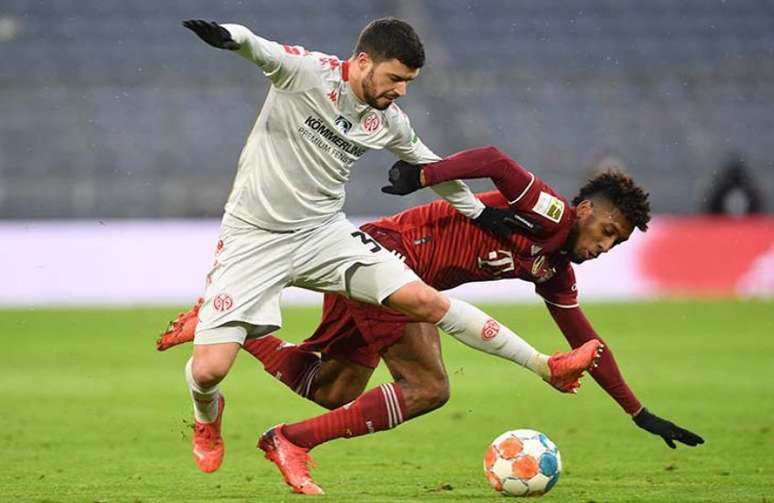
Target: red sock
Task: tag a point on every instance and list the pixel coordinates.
(375, 410)
(293, 367)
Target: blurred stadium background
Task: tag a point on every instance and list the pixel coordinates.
(112, 112)
(119, 137)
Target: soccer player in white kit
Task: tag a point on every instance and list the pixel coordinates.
(283, 223)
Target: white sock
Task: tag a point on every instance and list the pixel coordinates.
(474, 328)
(205, 400)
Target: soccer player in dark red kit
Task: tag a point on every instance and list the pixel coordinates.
(446, 249)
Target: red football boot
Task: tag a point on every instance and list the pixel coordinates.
(208, 445)
(293, 461)
(180, 330)
(567, 368)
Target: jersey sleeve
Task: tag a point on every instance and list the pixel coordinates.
(560, 291)
(577, 330)
(288, 67)
(407, 146)
(510, 178)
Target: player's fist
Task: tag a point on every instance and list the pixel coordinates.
(212, 33)
(667, 430)
(404, 179)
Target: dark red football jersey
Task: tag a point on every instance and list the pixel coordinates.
(447, 249)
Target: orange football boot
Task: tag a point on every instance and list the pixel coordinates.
(180, 330)
(567, 368)
(293, 461)
(208, 445)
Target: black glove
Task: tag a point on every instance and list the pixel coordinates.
(212, 33)
(502, 222)
(404, 179)
(667, 430)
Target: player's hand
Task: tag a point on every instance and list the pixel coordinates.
(404, 179)
(212, 33)
(503, 222)
(667, 430)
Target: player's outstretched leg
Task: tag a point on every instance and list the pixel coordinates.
(421, 385)
(467, 324)
(567, 368)
(181, 329)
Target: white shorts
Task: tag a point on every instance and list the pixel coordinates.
(252, 267)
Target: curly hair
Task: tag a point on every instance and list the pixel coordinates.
(620, 190)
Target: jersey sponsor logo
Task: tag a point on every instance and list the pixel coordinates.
(549, 206)
(371, 122)
(222, 302)
(343, 124)
(490, 330)
(318, 125)
(501, 261)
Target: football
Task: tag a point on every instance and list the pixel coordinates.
(522, 463)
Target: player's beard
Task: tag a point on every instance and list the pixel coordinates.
(369, 92)
(572, 240)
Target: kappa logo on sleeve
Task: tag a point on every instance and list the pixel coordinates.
(549, 206)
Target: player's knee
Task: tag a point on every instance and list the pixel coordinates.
(432, 392)
(207, 372)
(334, 396)
(334, 400)
(438, 393)
(420, 301)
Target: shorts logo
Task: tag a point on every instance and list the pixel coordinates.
(371, 122)
(490, 330)
(222, 302)
(343, 124)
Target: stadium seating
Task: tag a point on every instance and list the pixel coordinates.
(112, 109)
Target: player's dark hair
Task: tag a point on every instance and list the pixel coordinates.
(620, 190)
(389, 38)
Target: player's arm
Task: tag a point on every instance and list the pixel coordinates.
(408, 175)
(577, 329)
(279, 63)
(410, 149)
(509, 177)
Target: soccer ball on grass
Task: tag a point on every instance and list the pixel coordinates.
(522, 463)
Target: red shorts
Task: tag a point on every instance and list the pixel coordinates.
(357, 331)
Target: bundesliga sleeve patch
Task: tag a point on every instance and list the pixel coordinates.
(549, 206)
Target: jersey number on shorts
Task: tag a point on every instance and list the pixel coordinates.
(367, 240)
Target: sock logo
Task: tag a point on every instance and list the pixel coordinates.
(490, 330)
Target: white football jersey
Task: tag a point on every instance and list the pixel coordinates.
(310, 131)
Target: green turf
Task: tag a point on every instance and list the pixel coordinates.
(92, 413)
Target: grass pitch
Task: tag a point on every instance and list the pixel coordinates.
(91, 413)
